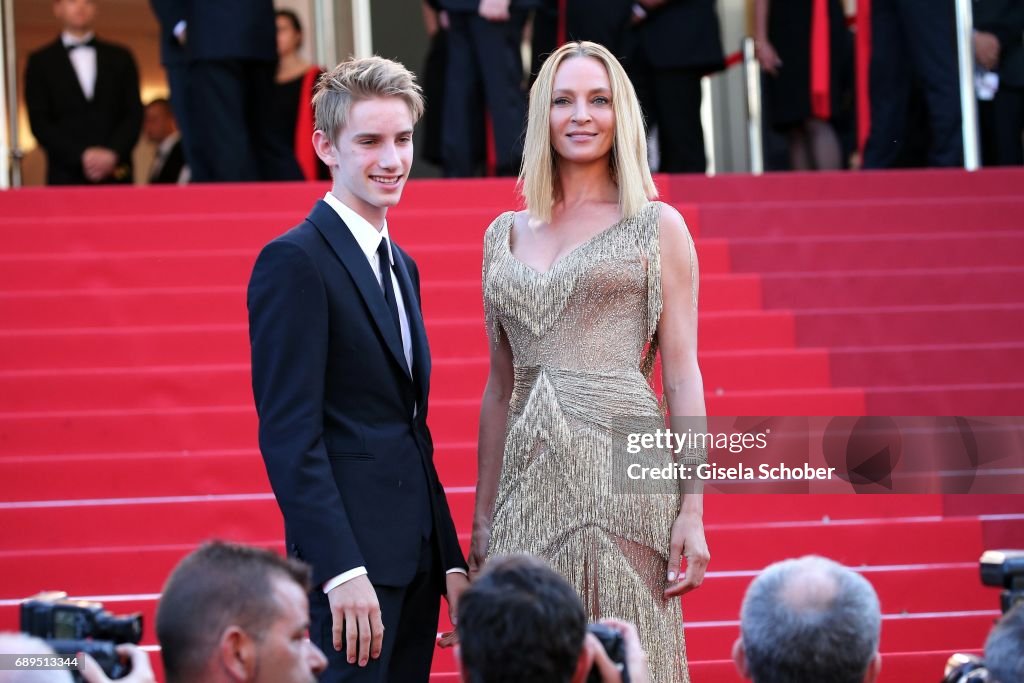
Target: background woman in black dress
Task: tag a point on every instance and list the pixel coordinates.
(784, 44)
(292, 111)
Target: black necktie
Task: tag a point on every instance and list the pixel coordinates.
(383, 256)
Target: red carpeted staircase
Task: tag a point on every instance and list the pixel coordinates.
(128, 435)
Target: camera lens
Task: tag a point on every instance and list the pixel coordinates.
(123, 629)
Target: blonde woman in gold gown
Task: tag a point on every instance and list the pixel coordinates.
(580, 290)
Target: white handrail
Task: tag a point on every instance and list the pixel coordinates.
(968, 103)
(362, 28)
(10, 156)
(752, 73)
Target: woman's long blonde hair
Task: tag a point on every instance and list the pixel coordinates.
(538, 178)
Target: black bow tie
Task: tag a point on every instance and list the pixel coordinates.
(88, 43)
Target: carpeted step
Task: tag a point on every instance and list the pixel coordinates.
(890, 366)
(219, 305)
(842, 185)
(861, 217)
(59, 348)
(222, 267)
(878, 252)
(189, 473)
(949, 286)
(910, 325)
(937, 399)
(461, 378)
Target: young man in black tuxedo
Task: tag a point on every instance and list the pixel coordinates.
(341, 376)
(83, 101)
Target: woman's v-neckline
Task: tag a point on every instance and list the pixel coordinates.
(558, 261)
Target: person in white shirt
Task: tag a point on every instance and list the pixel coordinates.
(82, 96)
(341, 377)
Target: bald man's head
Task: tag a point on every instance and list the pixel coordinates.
(809, 619)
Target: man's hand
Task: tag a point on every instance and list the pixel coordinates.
(986, 49)
(636, 658)
(141, 671)
(494, 10)
(98, 163)
(357, 621)
(455, 584)
(687, 541)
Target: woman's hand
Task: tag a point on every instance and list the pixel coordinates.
(687, 541)
(768, 57)
(479, 541)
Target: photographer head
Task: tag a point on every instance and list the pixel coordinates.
(809, 619)
(235, 613)
(1004, 649)
(91, 672)
(521, 621)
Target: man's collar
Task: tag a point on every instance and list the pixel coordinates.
(169, 142)
(366, 235)
(68, 39)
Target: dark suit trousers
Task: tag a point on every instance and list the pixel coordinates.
(908, 38)
(483, 55)
(410, 616)
(671, 100)
(1002, 122)
(228, 123)
(177, 80)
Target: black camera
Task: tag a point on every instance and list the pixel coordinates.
(613, 643)
(1004, 569)
(72, 626)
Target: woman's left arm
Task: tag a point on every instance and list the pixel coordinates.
(684, 390)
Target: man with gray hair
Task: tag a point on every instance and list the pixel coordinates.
(809, 619)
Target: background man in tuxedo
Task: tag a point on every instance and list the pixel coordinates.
(913, 40)
(231, 56)
(675, 43)
(83, 101)
(160, 128)
(341, 375)
(484, 56)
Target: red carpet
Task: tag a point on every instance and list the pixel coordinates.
(127, 433)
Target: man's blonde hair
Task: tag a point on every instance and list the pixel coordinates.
(355, 80)
(538, 179)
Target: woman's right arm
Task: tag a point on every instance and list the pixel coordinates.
(490, 446)
(763, 48)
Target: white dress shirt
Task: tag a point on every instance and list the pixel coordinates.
(368, 238)
(83, 59)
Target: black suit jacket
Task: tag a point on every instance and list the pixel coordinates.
(227, 29)
(1005, 19)
(171, 170)
(351, 466)
(683, 34)
(65, 123)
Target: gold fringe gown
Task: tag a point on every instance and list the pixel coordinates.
(577, 333)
